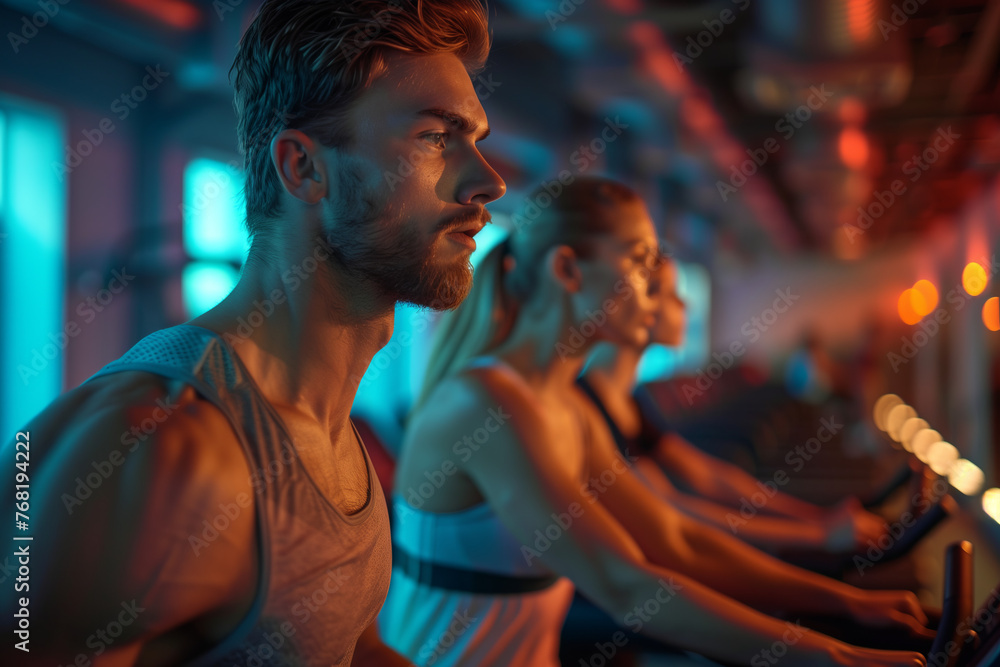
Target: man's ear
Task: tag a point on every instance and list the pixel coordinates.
(300, 165)
(562, 263)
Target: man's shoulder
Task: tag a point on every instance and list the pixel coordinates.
(136, 415)
(126, 472)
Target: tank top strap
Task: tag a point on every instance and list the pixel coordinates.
(621, 441)
(195, 356)
(316, 544)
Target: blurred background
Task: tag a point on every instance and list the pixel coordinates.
(824, 172)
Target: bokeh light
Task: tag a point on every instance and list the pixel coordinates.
(897, 417)
(853, 147)
(907, 312)
(923, 441)
(967, 477)
(942, 457)
(882, 406)
(991, 313)
(974, 278)
(924, 297)
(991, 503)
(910, 428)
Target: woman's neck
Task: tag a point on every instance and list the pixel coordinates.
(614, 368)
(611, 374)
(541, 347)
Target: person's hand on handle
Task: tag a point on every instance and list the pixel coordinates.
(849, 527)
(890, 609)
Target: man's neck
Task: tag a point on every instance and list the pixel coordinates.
(306, 337)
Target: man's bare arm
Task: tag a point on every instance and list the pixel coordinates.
(116, 523)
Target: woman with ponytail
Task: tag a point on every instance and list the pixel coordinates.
(510, 493)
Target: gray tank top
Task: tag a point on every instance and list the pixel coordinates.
(323, 574)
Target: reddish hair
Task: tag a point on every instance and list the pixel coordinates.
(302, 63)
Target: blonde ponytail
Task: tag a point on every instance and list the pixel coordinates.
(466, 332)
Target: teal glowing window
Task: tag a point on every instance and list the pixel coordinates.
(660, 362)
(214, 235)
(32, 261)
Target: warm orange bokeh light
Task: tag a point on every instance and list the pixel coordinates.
(853, 146)
(851, 111)
(991, 313)
(882, 407)
(924, 297)
(176, 13)
(991, 503)
(907, 313)
(974, 278)
(861, 19)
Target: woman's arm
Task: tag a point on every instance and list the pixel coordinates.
(719, 560)
(523, 472)
(714, 479)
(766, 532)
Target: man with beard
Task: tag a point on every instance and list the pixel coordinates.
(235, 517)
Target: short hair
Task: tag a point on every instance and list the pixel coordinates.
(302, 64)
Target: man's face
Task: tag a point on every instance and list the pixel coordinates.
(410, 187)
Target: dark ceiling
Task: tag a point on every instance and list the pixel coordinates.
(822, 107)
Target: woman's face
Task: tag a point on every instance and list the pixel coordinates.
(668, 325)
(615, 297)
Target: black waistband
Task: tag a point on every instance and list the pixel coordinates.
(468, 581)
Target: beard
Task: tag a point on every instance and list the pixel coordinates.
(376, 243)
